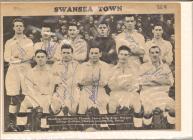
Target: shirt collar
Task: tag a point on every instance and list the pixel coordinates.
(154, 40)
(15, 38)
(41, 39)
(76, 38)
(90, 64)
(70, 62)
(161, 65)
(118, 66)
(46, 68)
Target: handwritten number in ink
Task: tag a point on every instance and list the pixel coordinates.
(161, 6)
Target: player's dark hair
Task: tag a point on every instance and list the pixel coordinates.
(46, 25)
(130, 16)
(102, 22)
(18, 20)
(40, 51)
(72, 24)
(67, 46)
(92, 47)
(157, 24)
(153, 47)
(124, 47)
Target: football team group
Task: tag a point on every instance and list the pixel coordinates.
(100, 72)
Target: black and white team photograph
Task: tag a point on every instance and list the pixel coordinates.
(89, 72)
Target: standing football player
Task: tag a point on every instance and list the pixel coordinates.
(18, 53)
(79, 45)
(164, 45)
(51, 48)
(134, 40)
(106, 43)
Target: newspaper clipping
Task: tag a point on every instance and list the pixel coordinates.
(90, 67)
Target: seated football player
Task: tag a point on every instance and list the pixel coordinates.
(156, 80)
(92, 80)
(124, 86)
(66, 95)
(39, 90)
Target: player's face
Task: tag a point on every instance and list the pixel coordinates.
(94, 55)
(73, 31)
(129, 23)
(154, 54)
(123, 56)
(18, 27)
(103, 30)
(64, 29)
(41, 59)
(66, 55)
(46, 32)
(158, 31)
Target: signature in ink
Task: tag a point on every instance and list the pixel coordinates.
(49, 50)
(21, 50)
(93, 96)
(64, 78)
(92, 92)
(63, 93)
(156, 74)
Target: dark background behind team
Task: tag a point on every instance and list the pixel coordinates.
(86, 24)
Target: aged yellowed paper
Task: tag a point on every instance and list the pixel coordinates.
(94, 66)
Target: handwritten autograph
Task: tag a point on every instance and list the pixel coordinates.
(64, 77)
(49, 50)
(156, 74)
(21, 50)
